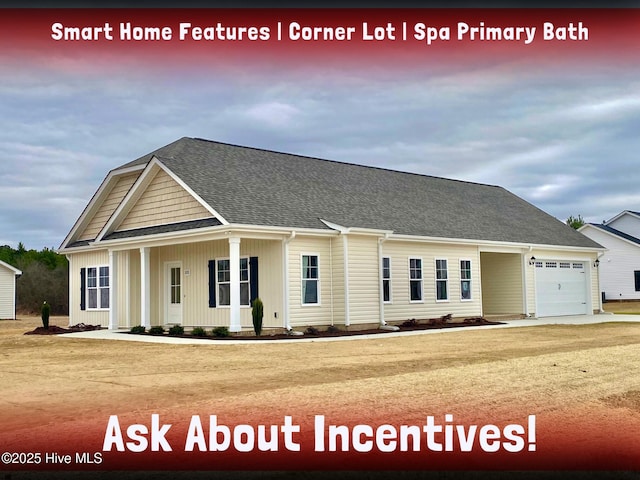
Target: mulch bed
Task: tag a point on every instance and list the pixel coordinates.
(409, 325)
(55, 330)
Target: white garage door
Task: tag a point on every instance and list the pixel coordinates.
(561, 288)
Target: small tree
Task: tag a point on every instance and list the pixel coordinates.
(257, 313)
(46, 309)
(575, 222)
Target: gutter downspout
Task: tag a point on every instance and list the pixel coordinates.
(525, 264)
(285, 279)
(345, 247)
(601, 310)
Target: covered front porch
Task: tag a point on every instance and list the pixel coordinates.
(203, 282)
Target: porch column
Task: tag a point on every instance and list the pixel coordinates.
(234, 298)
(145, 287)
(113, 290)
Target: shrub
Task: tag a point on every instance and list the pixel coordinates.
(257, 311)
(46, 309)
(176, 330)
(220, 332)
(138, 329)
(156, 330)
(312, 331)
(332, 329)
(198, 332)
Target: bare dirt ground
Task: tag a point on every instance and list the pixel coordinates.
(564, 374)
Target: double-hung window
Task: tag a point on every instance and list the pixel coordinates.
(98, 288)
(224, 282)
(386, 279)
(465, 279)
(415, 279)
(310, 280)
(442, 280)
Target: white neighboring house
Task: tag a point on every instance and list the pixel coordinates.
(8, 276)
(619, 267)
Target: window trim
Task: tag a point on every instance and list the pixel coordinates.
(386, 279)
(470, 280)
(98, 288)
(445, 280)
(219, 283)
(304, 279)
(420, 280)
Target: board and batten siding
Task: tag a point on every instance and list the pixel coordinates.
(401, 308)
(164, 201)
(364, 279)
(195, 287)
(305, 315)
(502, 287)
(7, 294)
(108, 206)
(78, 261)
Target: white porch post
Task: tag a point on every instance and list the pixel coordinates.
(145, 287)
(234, 297)
(113, 290)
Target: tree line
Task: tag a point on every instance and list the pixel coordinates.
(45, 277)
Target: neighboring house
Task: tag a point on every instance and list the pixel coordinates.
(620, 266)
(8, 276)
(195, 230)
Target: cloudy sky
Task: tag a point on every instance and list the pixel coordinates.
(555, 125)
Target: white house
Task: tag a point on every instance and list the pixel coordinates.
(620, 266)
(192, 232)
(8, 276)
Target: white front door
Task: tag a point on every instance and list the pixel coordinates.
(173, 292)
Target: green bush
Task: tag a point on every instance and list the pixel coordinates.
(333, 329)
(45, 311)
(176, 330)
(198, 332)
(220, 332)
(257, 311)
(156, 330)
(138, 329)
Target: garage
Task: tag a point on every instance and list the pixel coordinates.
(561, 288)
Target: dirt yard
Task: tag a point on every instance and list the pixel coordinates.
(562, 374)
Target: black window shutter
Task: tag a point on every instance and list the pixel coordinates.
(637, 278)
(253, 279)
(212, 283)
(83, 289)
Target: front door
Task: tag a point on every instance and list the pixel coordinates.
(173, 292)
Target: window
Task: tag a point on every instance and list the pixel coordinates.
(415, 279)
(310, 278)
(442, 280)
(224, 282)
(465, 279)
(386, 279)
(636, 274)
(98, 288)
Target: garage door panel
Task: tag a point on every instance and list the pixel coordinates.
(561, 288)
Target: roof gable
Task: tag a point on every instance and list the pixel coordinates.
(614, 232)
(157, 198)
(259, 187)
(10, 268)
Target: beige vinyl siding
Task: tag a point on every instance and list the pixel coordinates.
(322, 314)
(337, 279)
(164, 201)
(7, 293)
(78, 261)
(108, 206)
(195, 259)
(401, 308)
(502, 287)
(364, 280)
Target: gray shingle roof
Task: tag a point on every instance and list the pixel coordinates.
(260, 187)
